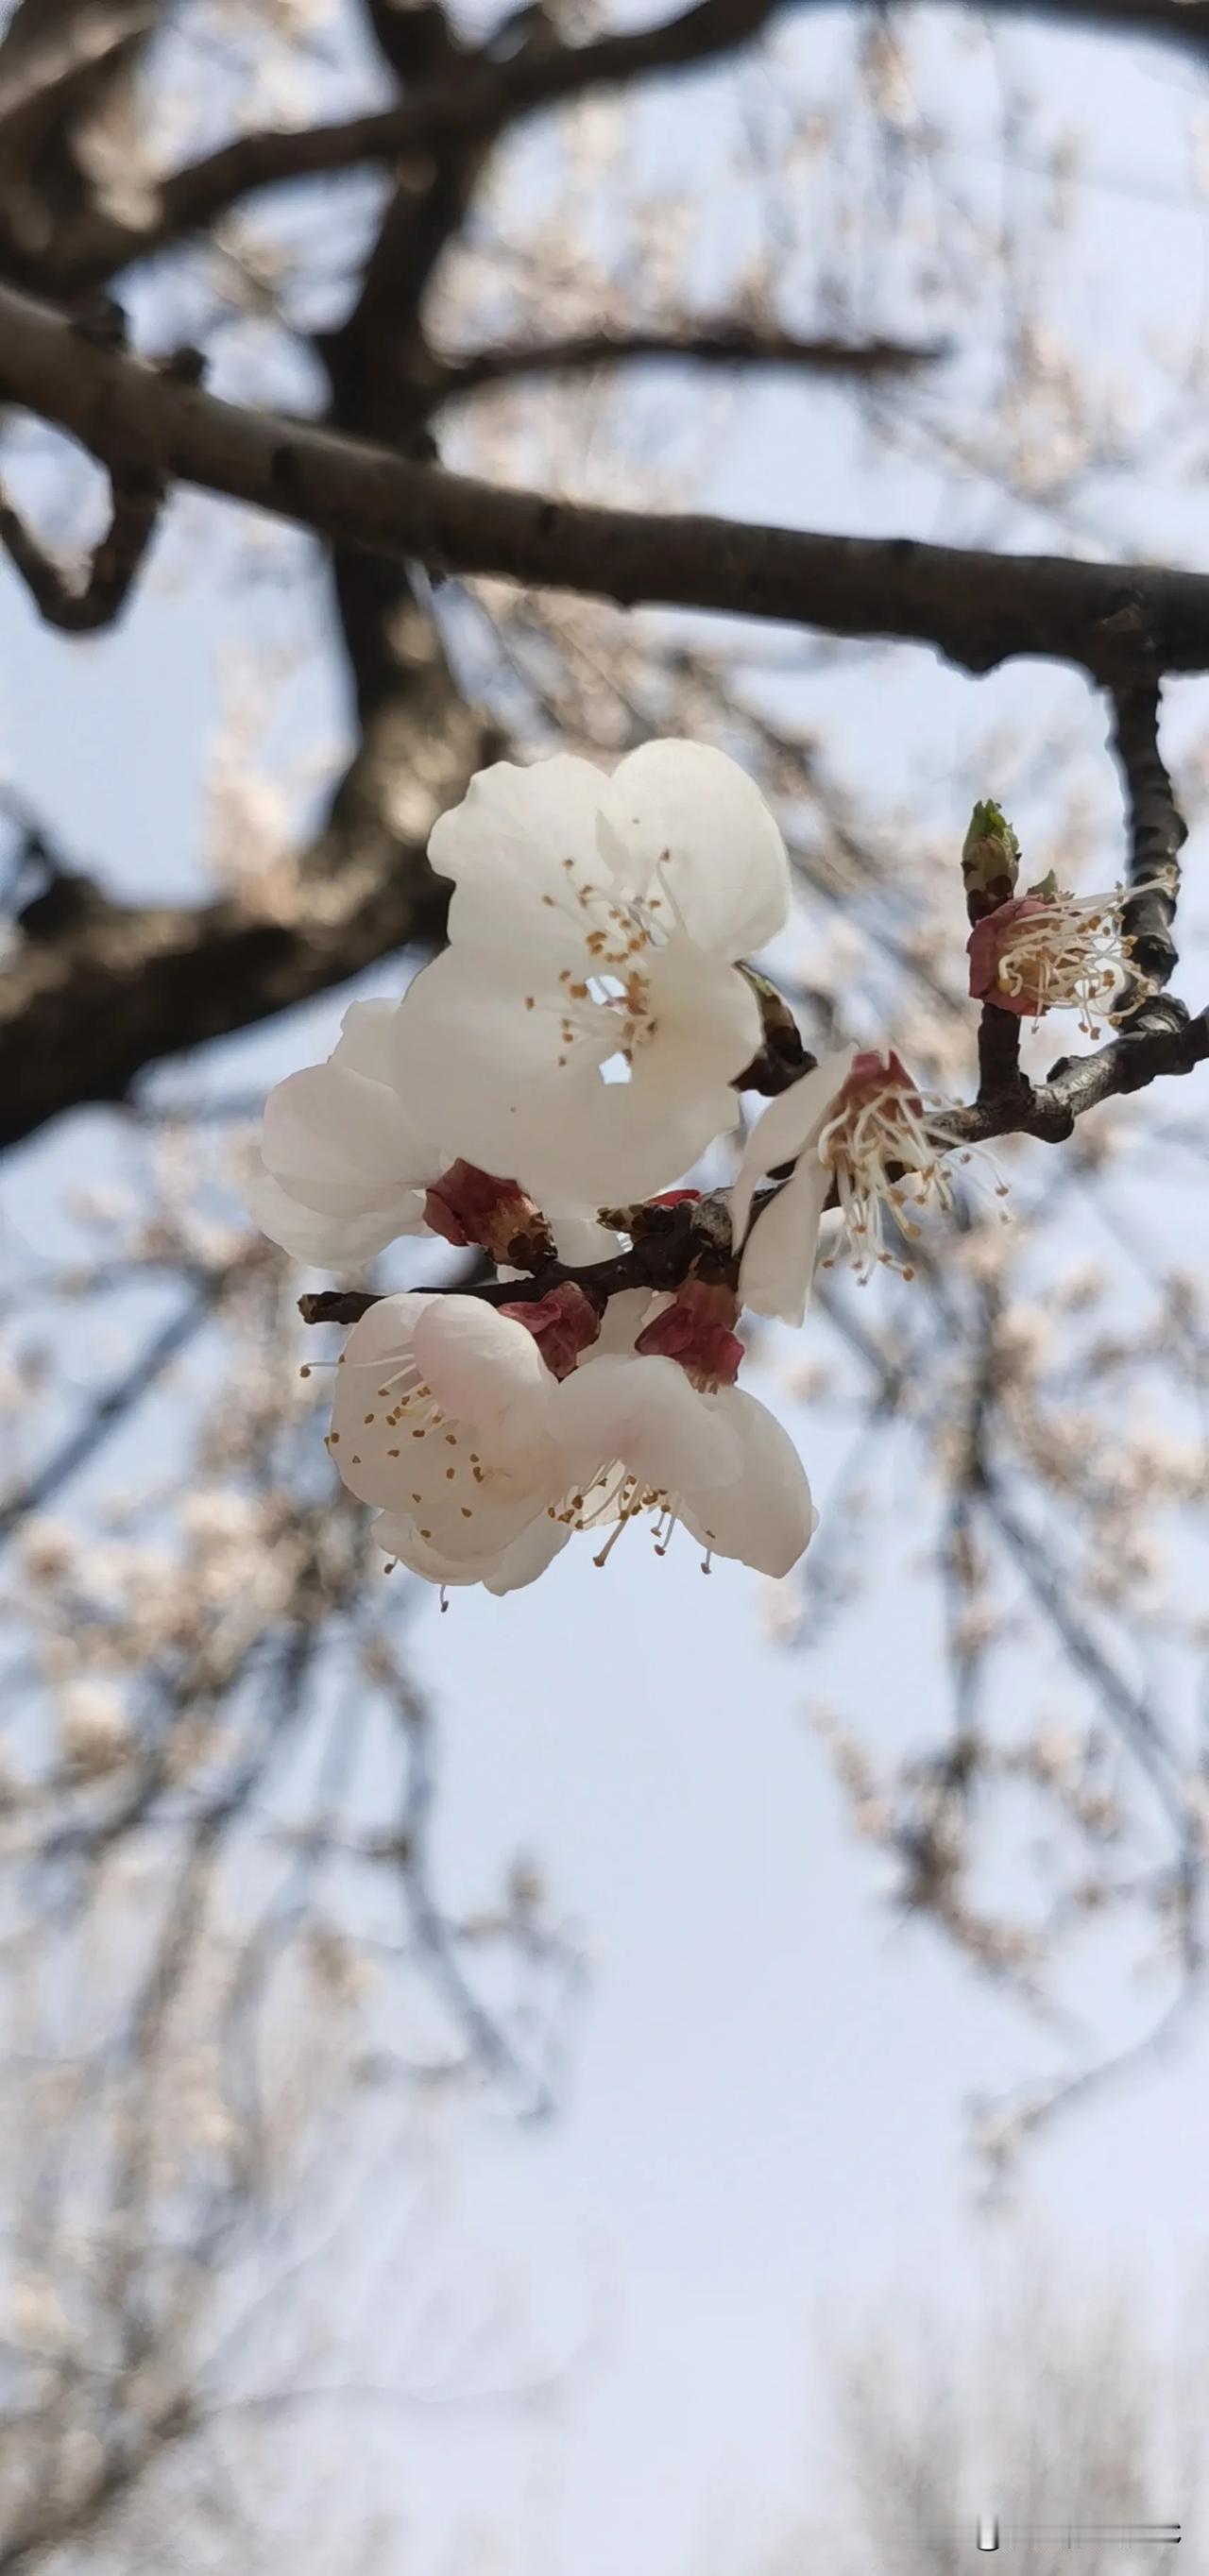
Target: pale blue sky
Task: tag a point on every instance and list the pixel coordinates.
(765, 2111)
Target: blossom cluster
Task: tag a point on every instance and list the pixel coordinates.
(571, 1053)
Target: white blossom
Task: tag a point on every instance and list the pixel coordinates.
(443, 1420)
(345, 1166)
(94, 1727)
(778, 1258)
(646, 1441)
(858, 1122)
(481, 1463)
(585, 1025)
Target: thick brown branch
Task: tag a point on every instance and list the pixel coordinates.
(84, 1013)
(978, 609)
(712, 344)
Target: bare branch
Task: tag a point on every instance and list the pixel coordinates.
(81, 1015)
(978, 609)
(1157, 830)
(722, 343)
(486, 97)
(114, 565)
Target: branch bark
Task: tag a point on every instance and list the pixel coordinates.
(84, 608)
(720, 343)
(977, 609)
(482, 100)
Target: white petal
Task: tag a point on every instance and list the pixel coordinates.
(726, 871)
(706, 1011)
(341, 1144)
(645, 1413)
(764, 1516)
(528, 1556)
(516, 1097)
(580, 1239)
(481, 1365)
(506, 846)
(366, 1039)
(622, 1322)
(338, 1243)
(502, 1569)
(385, 1335)
(784, 1129)
(377, 1351)
(777, 1267)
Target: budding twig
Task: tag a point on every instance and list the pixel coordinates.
(1157, 830)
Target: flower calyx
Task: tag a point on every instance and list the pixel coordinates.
(698, 1330)
(563, 1323)
(466, 1205)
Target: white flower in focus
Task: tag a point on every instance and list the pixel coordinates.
(644, 1440)
(778, 1257)
(1052, 951)
(443, 1418)
(595, 923)
(346, 1167)
(858, 1121)
(94, 1727)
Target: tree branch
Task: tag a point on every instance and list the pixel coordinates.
(84, 1013)
(978, 609)
(1169, 1043)
(720, 343)
(485, 97)
(76, 610)
(1157, 830)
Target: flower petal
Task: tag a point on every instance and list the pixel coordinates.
(783, 1130)
(506, 847)
(764, 1516)
(501, 1569)
(622, 1322)
(777, 1268)
(338, 1243)
(481, 1365)
(703, 1009)
(366, 1039)
(646, 1414)
(342, 1144)
(528, 1556)
(700, 835)
(517, 1095)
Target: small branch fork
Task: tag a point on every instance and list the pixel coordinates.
(136, 502)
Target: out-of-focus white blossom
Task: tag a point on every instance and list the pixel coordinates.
(94, 1727)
